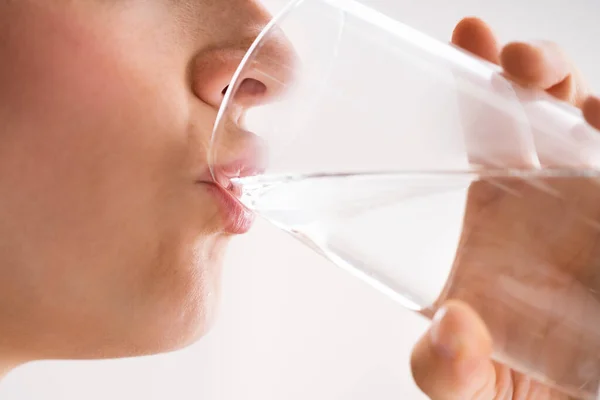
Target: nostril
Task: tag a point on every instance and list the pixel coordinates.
(249, 93)
(252, 87)
(262, 81)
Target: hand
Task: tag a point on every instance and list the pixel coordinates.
(508, 236)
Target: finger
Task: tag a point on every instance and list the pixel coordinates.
(580, 147)
(475, 36)
(452, 361)
(545, 66)
(591, 111)
(492, 138)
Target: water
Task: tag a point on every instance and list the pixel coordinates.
(334, 213)
(521, 247)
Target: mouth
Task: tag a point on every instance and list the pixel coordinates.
(237, 219)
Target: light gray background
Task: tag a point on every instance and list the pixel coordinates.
(292, 326)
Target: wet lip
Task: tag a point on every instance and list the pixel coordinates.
(236, 218)
(248, 161)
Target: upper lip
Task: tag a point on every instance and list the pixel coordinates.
(223, 175)
(248, 160)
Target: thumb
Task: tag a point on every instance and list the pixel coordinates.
(452, 360)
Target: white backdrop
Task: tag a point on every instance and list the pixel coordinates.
(292, 326)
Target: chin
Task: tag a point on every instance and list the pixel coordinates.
(174, 306)
(183, 317)
(162, 331)
(152, 300)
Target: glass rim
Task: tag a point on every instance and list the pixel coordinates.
(232, 87)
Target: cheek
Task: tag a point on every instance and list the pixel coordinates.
(97, 163)
(83, 133)
(91, 129)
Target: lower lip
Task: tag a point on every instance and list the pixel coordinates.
(236, 218)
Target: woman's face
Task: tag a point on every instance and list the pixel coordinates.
(111, 236)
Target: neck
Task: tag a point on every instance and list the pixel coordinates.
(4, 369)
(6, 364)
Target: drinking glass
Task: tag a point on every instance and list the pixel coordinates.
(420, 169)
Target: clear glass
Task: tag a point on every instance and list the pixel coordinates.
(420, 169)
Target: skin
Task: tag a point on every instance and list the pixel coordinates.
(111, 244)
(508, 236)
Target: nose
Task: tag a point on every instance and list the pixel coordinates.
(264, 78)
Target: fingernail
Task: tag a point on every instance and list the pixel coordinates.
(447, 343)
